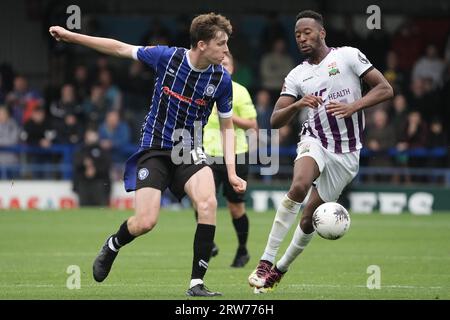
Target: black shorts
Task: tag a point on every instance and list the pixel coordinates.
(221, 179)
(155, 169)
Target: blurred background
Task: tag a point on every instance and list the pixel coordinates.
(59, 101)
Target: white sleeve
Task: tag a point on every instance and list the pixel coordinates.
(135, 52)
(289, 87)
(357, 61)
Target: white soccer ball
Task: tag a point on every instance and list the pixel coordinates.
(331, 220)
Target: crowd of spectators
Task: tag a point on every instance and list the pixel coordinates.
(93, 92)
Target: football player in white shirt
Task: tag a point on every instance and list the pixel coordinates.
(328, 84)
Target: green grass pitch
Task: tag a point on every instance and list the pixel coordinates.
(36, 248)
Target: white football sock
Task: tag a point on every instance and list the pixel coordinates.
(299, 241)
(111, 245)
(195, 282)
(284, 218)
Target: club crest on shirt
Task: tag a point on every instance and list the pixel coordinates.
(333, 69)
(143, 173)
(209, 91)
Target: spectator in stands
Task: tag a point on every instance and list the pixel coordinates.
(425, 99)
(69, 131)
(81, 82)
(96, 106)
(399, 114)
(67, 104)
(414, 135)
(380, 137)
(275, 65)
(91, 180)
(114, 136)
(101, 63)
(9, 136)
(264, 109)
(38, 132)
(437, 139)
(22, 100)
(136, 86)
(112, 92)
(430, 66)
(393, 74)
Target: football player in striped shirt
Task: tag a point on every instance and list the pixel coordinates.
(188, 82)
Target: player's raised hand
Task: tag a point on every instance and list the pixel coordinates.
(340, 110)
(239, 185)
(59, 33)
(310, 101)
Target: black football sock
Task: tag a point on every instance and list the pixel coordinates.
(196, 219)
(122, 237)
(203, 243)
(241, 226)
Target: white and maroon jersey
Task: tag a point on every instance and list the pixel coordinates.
(335, 78)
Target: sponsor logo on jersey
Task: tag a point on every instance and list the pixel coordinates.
(167, 91)
(333, 69)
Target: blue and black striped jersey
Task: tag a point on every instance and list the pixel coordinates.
(182, 96)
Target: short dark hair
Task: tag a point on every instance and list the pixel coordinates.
(204, 27)
(310, 14)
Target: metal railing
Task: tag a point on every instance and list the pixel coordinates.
(59, 163)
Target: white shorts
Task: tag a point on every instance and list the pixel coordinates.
(337, 170)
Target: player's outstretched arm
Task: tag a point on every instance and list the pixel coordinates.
(227, 130)
(104, 45)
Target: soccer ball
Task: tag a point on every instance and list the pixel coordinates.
(331, 220)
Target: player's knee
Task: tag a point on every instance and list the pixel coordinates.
(298, 191)
(145, 224)
(306, 224)
(207, 206)
(236, 209)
